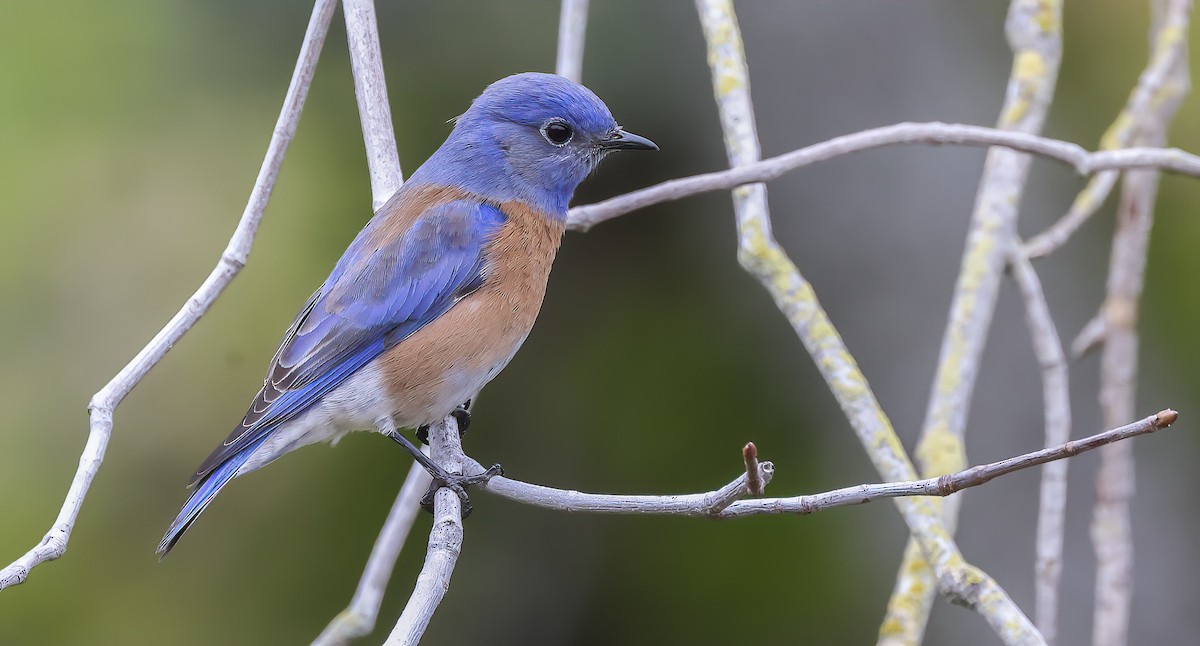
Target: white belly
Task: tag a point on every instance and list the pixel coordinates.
(355, 405)
(361, 401)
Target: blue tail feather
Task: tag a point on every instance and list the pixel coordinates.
(205, 491)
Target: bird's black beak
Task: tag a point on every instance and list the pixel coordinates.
(621, 140)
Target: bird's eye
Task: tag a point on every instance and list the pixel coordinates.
(557, 132)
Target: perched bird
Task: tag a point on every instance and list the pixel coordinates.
(439, 290)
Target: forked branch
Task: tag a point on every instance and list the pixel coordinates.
(103, 403)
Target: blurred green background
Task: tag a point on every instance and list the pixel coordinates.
(130, 135)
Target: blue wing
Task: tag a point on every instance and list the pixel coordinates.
(385, 288)
(388, 284)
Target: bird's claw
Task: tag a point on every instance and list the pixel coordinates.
(461, 414)
(458, 484)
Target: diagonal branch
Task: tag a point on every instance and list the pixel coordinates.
(762, 256)
(358, 619)
(104, 402)
(1034, 33)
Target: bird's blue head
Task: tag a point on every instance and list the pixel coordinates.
(532, 137)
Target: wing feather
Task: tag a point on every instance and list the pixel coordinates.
(380, 292)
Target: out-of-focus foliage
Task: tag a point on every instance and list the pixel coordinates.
(130, 135)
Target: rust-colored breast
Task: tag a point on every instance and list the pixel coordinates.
(519, 260)
(452, 357)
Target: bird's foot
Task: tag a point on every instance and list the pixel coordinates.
(462, 415)
(458, 484)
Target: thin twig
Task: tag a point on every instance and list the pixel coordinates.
(762, 257)
(585, 217)
(1086, 203)
(1111, 530)
(366, 62)
(1089, 337)
(1034, 30)
(1056, 401)
(359, 617)
(704, 505)
(710, 504)
(572, 27)
(1170, 46)
(104, 402)
(445, 541)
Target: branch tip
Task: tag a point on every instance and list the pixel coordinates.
(754, 477)
(1165, 418)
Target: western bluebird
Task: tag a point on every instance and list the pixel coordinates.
(436, 294)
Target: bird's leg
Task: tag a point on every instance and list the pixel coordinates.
(457, 483)
(462, 415)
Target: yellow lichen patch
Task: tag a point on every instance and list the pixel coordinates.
(1014, 112)
(847, 384)
(1118, 133)
(1049, 16)
(1013, 628)
(1170, 36)
(891, 628)
(906, 606)
(916, 568)
(1086, 200)
(954, 563)
(1169, 91)
(804, 294)
(976, 264)
(721, 34)
(949, 372)
(728, 83)
(822, 331)
(941, 452)
(1029, 70)
(781, 274)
